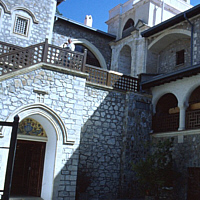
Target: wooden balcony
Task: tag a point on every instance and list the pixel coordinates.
(13, 58)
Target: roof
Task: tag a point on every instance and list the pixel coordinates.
(84, 26)
(172, 21)
(173, 76)
(59, 1)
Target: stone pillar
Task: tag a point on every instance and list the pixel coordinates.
(182, 117)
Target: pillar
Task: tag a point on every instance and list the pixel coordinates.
(182, 117)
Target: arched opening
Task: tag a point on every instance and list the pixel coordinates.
(29, 159)
(56, 133)
(91, 58)
(167, 114)
(128, 28)
(124, 60)
(193, 111)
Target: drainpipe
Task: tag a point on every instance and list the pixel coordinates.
(192, 33)
(162, 11)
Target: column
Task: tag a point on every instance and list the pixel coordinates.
(182, 117)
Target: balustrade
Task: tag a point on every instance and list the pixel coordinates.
(192, 119)
(165, 122)
(13, 58)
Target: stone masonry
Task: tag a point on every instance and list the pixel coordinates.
(37, 31)
(109, 142)
(65, 95)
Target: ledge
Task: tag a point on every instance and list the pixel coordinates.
(44, 66)
(176, 133)
(99, 86)
(65, 70)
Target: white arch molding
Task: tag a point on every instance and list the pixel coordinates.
(93, 49)
(55, 131)
(159, 95)
(4, 7)
(168, 37)
(27, 11)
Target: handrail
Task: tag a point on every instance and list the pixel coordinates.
(6, 47)
(112, 79)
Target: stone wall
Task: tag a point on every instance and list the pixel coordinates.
(37, 31)
(101, 143)
(167, 58)
(115, 127)
(185, 155)
(135, 136)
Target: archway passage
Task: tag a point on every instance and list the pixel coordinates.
(28, 168)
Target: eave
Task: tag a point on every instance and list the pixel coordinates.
(172, 21)
(84, 26)
(169, 77)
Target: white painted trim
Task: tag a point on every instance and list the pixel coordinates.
(176, 133)
(46, 112)
(27, 11)
(4, 7)
(32, 138)
(173, 31)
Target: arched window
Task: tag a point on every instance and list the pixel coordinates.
(167, 114)
(91, 58)
(129, 23)
(128, 28)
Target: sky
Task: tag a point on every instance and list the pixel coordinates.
(99, 9)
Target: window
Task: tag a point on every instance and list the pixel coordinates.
(180, 57)
(21, 25)
(129, 23)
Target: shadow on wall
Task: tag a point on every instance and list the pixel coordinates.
(115, 126)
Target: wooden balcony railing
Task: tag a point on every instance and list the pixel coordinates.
(192, 119)
(16, 58)
(112, 79)
(165, 122)
(6, 48)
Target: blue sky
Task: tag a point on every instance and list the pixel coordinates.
(78, 9)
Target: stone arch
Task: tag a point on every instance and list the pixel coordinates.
(166, 101)
(56, 135)
(48, 114)
(167, 38)
(160, 95)
(93, 49)
(166, 117)
(190, 91)
(124, 60)
(29, 12)
(4, 7)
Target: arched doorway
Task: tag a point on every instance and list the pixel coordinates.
(29, 159)
(56, 136)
